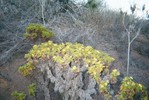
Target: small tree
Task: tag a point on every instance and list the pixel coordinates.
(129, 41)
(93, 4)
(42, 4)
(131, 30)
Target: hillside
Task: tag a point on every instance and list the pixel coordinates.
(100, 28)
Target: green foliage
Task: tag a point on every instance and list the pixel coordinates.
(64, 1)
(32, 89)
(104, 86)
(26, 69)
(113, 75)
(75, 69)
(96, 62)
(93, 4)
(19, 95)
(63, 54)
(104, 89)
(35, 31)
(129, 90)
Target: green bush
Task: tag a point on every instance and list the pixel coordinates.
(65, 53)
(113, 75)
(19, 95)
(37, 31)
(129, 90)
(97, 64)
(26, 69)
(32, 89)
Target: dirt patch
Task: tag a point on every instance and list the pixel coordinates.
(12, 80)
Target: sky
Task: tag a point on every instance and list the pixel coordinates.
(125, 5)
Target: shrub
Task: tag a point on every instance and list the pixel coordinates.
(19, 95)
(113, 75)
(37, 31)
(69, 61)
(26, 69)
(104, 89)
(65, 53)
(66, 65)
(129, 90)
(94, 4)
(32, 89)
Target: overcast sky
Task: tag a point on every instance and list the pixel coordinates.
(125, 5)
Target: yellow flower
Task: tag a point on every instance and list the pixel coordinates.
(74, 69)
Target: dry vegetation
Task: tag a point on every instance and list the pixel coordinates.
(101, 28)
